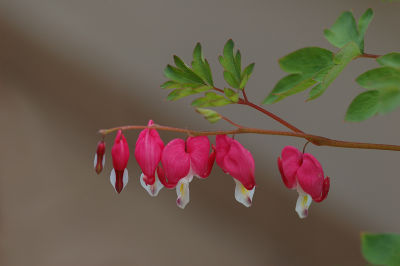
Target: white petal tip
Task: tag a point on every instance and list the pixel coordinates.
(182, 190)
(243, 195)
(154, 189)
(303, 203)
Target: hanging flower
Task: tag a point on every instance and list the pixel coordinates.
(148, 151)
(181, 160)
(238, 162)
(304, 173)
(100, 157)
(120, 157)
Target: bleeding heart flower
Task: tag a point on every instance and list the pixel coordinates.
(149, 147)
(237, 161)
(181, 161)
(120, 157)
(304, 173)
(99, 157)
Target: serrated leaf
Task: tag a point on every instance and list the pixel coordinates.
(211, 99)
(200, 65)
(248, 70)
(246, 75)
(381, 249)
(238, 61)
(231, 63)
(389, 99)
(231, 95)
(364, 106)
(383, 77)
(283, 85)
(363, 23)
(391, 60)
(244, 82)
(231, 80)
(180, 76)
(208, 114)
(183, 92)
(307, 60)
(343, 31)
(170, 85)
(302, 86)
(341, 59)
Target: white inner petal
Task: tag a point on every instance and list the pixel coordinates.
(303, 203)
(125, 178)
(243, 195)
(113, 178)
(151, 189)
(182, 190)
(95, 160)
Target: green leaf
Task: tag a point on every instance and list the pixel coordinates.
(208, 114)
(381, 249)
(378, 78)
(390, 100)
(231, 80)
(180, 93)
(246, 75)
(363, 24)
(238, 61)
(343, 31)
(181, 76)
(171, 85)
(391, 59)
(346, 30)
(211, 99)
(307, 60)
(228, 61)
(200, 65)
(364, 106)
(341, 59)
(231, 95)
(283, 85)
(248, 70)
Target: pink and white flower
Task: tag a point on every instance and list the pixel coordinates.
(100, 157)
(304, 173)
(181, 160)
(148, 150)
(238, 162)
(120, 157)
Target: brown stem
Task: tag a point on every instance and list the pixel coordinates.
(368, 56)
(245, 101)
(273, 116)
(317, 140)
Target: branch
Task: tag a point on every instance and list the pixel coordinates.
(283, 122)
(317, 140)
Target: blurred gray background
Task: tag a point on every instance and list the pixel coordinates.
(69, 68)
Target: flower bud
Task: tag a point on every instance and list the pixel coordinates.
(120, 157)
(99, 157)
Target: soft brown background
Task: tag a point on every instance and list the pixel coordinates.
(68, 68)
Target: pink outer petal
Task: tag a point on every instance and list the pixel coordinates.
(210, 165)
(288, 183)
(311, 176)
(161, 177)
(290, 162)
(199, 149)
(222, 143)
(175, 161)
(235, 160)
(148, 152)
(325, 190)
(120, 152)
